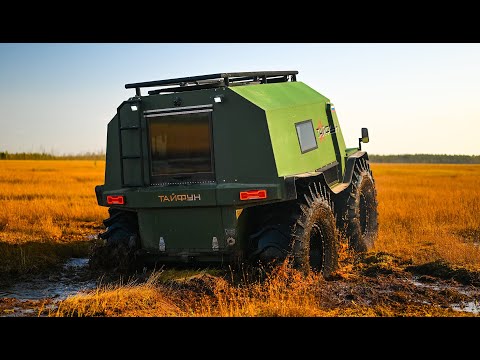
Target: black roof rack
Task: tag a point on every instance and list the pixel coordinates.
(214, 80)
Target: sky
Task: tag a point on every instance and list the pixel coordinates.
(413, 97)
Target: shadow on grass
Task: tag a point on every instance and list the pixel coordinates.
(35, 255)
(446, 271)
(381, 263)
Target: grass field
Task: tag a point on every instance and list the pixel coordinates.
(48, 210)
(429, 212)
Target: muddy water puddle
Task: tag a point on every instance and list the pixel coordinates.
(24, 295)
(72, 278)
(470, 295)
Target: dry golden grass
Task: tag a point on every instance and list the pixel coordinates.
(51, 199)
(285, 293)
(131, 299)
(45, 200)
(46, 207)
(429, 212)
(426, 213)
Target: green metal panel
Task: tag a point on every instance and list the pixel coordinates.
(279, 96)
(243, 150)
(183, 229)
(132, 172)
(229, 221)
(340, 139)
(130, 145)
(113, 177)
(350, 151)
(286, 104)
(198, 195)
(241, 142)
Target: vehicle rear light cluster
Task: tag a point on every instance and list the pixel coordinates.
(253, 194)
(115, 200)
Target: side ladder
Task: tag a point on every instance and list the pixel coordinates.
(130, 144)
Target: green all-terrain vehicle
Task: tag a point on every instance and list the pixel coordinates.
(234, 167)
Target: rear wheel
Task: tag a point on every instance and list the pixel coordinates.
(269, 242)
(359, 210)
(121, 242)
(314, 234)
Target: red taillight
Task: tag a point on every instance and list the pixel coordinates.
(253, 194)
(115, 200)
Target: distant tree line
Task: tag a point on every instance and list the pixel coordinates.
(5, 155)
(405, 158)
(425, 159)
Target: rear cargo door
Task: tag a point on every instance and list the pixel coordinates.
(181, 145)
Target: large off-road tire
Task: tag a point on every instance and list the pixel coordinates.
(121, 241)
(315, 236)
(272, 246)
(270, 241)
(359, 211)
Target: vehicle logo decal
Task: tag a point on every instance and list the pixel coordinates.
(323, 131)
(180, 197)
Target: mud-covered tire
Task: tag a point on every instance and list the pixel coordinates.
(272, 244)
(121, 226)
(270, 237)
(360, 213)
(121, 240)
(315, 236)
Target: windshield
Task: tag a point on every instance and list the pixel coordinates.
(181, 147)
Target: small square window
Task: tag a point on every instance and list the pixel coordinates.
(306, 136)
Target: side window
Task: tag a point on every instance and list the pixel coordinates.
(306, 136)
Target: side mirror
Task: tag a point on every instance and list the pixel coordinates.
(365, 139)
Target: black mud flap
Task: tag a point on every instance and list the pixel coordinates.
(99, 193)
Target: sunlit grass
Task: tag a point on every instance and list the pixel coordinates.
(426, 211)
(48, 202)
(284, 293)
(45, 200)
(48, 208)
(429, 212)
(130, 299)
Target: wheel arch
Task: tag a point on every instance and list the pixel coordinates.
(304, 179)
(350, 165)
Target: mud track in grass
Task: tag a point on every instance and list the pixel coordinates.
(378, 284)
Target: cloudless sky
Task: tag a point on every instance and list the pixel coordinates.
(413, 97)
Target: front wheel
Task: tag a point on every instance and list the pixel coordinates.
(360, 214)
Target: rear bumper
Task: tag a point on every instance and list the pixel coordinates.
(203, 195)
